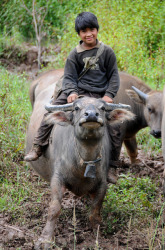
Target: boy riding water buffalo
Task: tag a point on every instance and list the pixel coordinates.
(90, 70)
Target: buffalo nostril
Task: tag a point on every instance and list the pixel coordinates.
(156, 134)
(91, 114)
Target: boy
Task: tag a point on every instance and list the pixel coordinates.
(101, 80)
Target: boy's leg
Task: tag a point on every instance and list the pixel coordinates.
(115, 137)
(42, 137)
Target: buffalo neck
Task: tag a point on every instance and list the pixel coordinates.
(89, 150)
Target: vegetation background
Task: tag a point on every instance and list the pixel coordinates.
(134, 29)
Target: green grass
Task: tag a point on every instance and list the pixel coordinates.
(148, 143)
(15, 110)
(135, 198)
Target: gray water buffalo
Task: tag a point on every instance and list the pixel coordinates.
(145, 103)
(78, 154)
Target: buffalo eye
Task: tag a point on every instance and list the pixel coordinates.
(149, 110)
(76, 108)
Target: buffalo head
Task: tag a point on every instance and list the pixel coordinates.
(89, 116)
(152, 108)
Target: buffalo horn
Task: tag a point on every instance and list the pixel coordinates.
(65, 107)
(141, 94)
(112, 106)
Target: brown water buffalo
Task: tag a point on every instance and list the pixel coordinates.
(146, 105)
(78, 154)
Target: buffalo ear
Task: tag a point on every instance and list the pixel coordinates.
(134, 96)
(59, 117)
(119, 116)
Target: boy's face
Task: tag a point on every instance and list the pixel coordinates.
(89, 36)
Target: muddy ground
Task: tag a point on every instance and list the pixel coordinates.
(21, 234)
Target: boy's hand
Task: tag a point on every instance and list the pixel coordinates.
(107, 99)
(72, 98)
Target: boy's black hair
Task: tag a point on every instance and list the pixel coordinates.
(86, 20)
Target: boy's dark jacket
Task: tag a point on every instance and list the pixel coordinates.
(103, 77)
